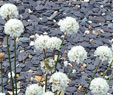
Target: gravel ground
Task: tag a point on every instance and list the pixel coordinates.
(96, 28)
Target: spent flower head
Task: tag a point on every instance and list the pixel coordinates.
(77, 54)
(48, 65)
(8, 10)
(14, 27)
(34, 89)
(104, 53)
(59, 81)
(69, 25)
(99, 86)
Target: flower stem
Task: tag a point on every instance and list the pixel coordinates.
(15, 64)
(110, 77)
(59, 51)
(46, 83)
(1, 76)
(44, 50)
(53, 53)
(107, 69)
(71, 70)
(10, 64)
(92, 77)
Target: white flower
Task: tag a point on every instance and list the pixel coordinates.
(14, 28)
(99, 86)
(8, 10)
(34, 89)
(41, 42)
(59, 81)
(48, 65)
(77, 54)
(69, 25)
(2, 93)
(54, 43)
(104, 53)
(48, 93)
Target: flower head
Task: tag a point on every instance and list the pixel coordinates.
(104, 53)
(8, 10)
(14, 28)
(59, 81)
(69, 25)
(41, 42)
(99, 86)
(78, 54)
(2, 93)
(48, 93)
(34, 89)
(48, 65)
(54, 43)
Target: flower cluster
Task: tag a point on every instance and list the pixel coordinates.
(41, 42)
(48, 93)
(104, 53)
(48, 65)
(99, 86)
(59, 81)
(54, 43)
(8, 10)
(34, 89)
(77, 54)
(14, 28)
(44, 41)
(69, 25)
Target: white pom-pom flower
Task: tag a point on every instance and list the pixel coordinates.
(14, 28)
(2, 93)
(104, 53)
(8, 10)
(41, 42)
(77, 54)
(34, 89)
(48, 93)
(54, 43)
(59, 81)
(69, 25)
(48, 65)
(99, 86)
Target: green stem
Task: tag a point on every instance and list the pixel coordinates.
(15, 64)
(46, 83)
(59, 51)
(92, 77)
(71, 70)
(10, 64)
(107, 69)
(110, 78)
(1, 77)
